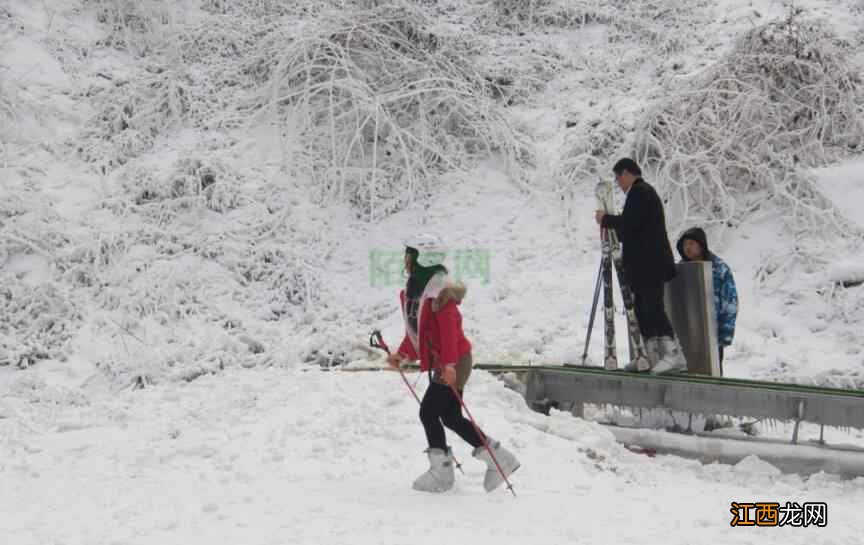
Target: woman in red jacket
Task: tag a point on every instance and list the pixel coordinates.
(433, 334)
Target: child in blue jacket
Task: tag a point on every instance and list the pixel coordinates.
(693, 246)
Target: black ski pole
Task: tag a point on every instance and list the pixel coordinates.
(597, 287)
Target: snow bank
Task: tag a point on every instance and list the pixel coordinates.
(751, 458)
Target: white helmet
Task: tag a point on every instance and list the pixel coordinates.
(429, 247)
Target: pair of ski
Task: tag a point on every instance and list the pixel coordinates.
(612, 258)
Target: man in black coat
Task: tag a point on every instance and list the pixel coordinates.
(648, 263)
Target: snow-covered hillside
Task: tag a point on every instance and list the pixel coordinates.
(161, 217)
(193, 194)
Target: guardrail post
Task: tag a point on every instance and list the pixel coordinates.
(798, 417)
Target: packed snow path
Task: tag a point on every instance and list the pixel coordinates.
(275, 456)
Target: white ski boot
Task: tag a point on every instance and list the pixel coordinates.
(636, 365)
(639, 365)
(440, 476)
(506, 460)
(672, 360)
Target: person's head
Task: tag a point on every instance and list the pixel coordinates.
(626, 173)
(423, 251)
(693, 245)
(424, 255)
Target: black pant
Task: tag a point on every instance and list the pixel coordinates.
(439, 406)
(650, 311)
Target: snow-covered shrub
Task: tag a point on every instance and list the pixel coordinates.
(133, 114)
(214, 51)
(88, 262)
(589, 145)
(34, 389)
(377, 105)
(220, 37)
(261, 9)
(667, 26)
(846, 302)
(28, 227)
(281, 283)
(784, 97)
(167, 290)
(518, 14)
(515, 74)
(136, 26)
(585, 155)
(36, 321)
(143, 354)
(191, 181)
(270, 9)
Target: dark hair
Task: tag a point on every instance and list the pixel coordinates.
(627, 164)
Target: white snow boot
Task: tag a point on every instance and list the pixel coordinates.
(653, 357)
(638, 366)
(440, 476)
(506, 460)
(672, 360)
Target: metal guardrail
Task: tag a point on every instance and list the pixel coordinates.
(693, 394)
(676, 377)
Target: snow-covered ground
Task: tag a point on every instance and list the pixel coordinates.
(175, 405)
(285, 456)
